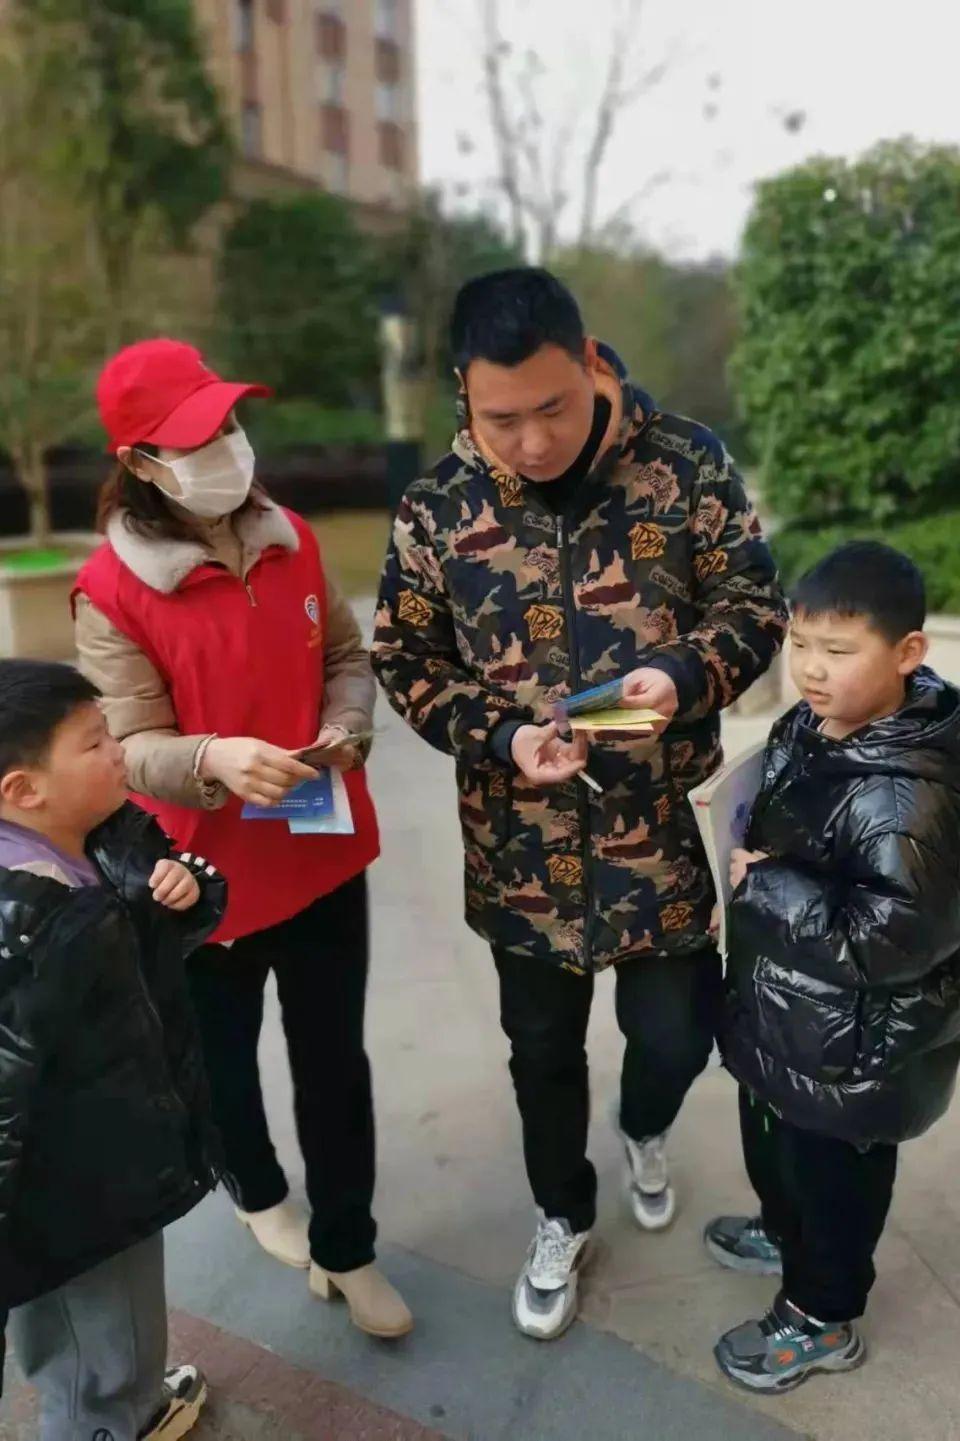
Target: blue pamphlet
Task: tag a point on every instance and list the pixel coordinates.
(311, 801)
(599, 697)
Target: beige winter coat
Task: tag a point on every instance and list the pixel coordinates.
(139, 710)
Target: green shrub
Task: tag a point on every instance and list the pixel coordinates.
(848, 365)
(276, 424)
(933, 542)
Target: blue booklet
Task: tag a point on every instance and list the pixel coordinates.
(310, 801)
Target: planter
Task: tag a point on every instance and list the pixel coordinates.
(35, 616)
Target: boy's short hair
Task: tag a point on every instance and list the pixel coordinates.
(869, 579)
(506, 316)
(36, 697)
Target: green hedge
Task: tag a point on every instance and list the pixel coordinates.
(848, 363)
(275, 424)
(932, 541)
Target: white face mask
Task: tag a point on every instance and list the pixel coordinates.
(215, 480)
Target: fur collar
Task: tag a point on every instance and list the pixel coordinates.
(165, 564)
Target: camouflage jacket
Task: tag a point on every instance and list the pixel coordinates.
(491, 608)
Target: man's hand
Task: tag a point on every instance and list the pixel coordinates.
(740, 862)
(545, 759)
(341, 758)
(650, 689)
(173, 886)
(252, 769)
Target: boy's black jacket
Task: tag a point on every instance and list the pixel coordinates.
(105, 1134)
(843, 1002)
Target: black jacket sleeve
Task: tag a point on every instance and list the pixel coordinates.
(20, 1059)
(891, 916)
(127, 847)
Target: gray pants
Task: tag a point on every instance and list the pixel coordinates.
(96, 1348)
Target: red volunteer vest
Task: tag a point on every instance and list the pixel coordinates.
(243, 660)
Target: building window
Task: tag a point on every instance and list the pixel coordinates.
(331, 35)
(243, 26)
(339, 173)
(335, 129)
(389, 62)
(331, 81)
(390, 103)
(251, 133)
(390, 137)
(387, 23)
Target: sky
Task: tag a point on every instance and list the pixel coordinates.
(860, 70)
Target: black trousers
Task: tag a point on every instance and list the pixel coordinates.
(667, 1009)
(319, 959)
(825, 1202)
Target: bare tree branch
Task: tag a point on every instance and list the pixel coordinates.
(504, 134)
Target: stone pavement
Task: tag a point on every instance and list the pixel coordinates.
(455, 1218)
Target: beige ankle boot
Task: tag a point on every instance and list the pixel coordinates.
(281, 1231)
(375, 1306)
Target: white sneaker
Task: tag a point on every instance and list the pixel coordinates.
(282, 1232)
(653, 1200)
(545, 1296)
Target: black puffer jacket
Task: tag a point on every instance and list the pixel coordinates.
(844, 967)
(104, 1129)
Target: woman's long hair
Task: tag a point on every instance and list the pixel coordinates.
(144, 506)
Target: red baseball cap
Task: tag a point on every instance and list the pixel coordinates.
(159, 392)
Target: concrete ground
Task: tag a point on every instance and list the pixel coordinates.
(455, 1219)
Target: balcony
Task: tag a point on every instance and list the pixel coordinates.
(389, 62)
(335, 129)
(390, 139)
(331, 37)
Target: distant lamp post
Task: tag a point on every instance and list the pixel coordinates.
(403, 397)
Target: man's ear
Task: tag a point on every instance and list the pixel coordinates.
(913, 652)
(19, 789)
(590, 357)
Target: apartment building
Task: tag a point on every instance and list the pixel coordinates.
(321, 91)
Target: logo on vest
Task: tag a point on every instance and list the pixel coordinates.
(312, 606)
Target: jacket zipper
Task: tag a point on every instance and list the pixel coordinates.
(583, 800)
(250, 595)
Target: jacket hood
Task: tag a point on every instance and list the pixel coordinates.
(630, 410)
(921, 739)
(164, 565)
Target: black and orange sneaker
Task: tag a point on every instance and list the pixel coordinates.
(184, 1392)
(778, 1352)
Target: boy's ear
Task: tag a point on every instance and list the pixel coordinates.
(19, 789)
(913, 652)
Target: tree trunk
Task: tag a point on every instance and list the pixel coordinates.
(32, 470)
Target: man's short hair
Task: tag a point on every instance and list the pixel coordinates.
(36, 697)
(506, 316)
(866, 578)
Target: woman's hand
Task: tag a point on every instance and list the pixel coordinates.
(173, 886)
(740, 862)
(341, 757)
(253, 770)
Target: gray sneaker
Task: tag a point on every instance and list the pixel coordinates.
(545, 1296)
(653, 1200)
(783, 1348)
(741, 1244)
